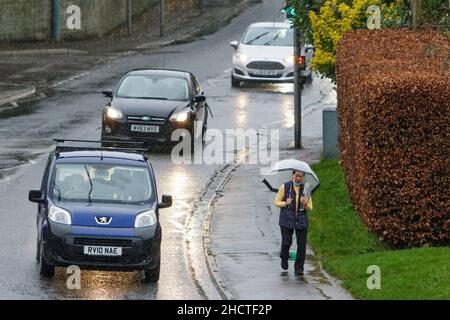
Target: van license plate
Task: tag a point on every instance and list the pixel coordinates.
(102, 251)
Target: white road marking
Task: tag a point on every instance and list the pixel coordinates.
(183, 204)
(211, 82)
(178, 225)
(69, 79)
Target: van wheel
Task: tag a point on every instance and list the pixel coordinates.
(152, 275)
(46, 270)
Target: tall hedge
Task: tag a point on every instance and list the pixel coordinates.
(393, 89)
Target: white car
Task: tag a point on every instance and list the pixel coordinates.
(266, 54)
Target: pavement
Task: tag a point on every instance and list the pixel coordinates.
(242, 237)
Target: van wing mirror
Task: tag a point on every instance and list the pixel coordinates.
(35, 196)
(166, 201)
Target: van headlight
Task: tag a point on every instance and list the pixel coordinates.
(145, 219)
(59, 215)
(114, 114)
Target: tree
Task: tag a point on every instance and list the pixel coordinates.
(336, 18)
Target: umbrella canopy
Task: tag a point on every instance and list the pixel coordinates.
(282, 172)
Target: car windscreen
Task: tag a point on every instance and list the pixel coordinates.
(150, 87)
(107, 183)
(268, 36)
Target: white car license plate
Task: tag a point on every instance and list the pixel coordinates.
(102, 251)
(259, 72)
(144, 128)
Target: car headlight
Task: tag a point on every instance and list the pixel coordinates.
(242, 56)
(145, 219)
(290, 59)
(59, 215)
(114, 114)
(180, 116)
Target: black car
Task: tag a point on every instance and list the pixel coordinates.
(149, 104)
(98, 209)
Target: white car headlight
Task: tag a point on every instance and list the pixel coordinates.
(114, 113)
(242, 57)
(290, 59)
(145, 219)
(59, 215)
(180, 116)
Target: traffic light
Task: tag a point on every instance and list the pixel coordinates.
(301, 62)
(290, 11)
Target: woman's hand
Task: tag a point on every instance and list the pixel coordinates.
(304, 201)
(288, 201)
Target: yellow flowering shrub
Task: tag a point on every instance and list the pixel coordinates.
(336, 17)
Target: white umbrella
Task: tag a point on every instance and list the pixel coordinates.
(282, 172)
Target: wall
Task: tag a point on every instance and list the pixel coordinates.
(25, 20)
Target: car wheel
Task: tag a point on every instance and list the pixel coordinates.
(38, 250)
(152, 275)
(46, 270)
(235, 82)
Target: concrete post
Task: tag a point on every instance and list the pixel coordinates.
(129, 9)
(330, 132)
(56, 19)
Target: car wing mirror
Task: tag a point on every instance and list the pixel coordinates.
(234, 44)
(200, 98)
(108, 93)
(166, 201)
(35, 196)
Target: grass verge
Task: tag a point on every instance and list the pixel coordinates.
(346, 249)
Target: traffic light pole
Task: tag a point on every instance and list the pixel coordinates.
(297, 93)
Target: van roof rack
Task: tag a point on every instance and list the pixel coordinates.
(61, 148)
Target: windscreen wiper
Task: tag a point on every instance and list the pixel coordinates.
(272, 40)
(90, 182)
(256, 38)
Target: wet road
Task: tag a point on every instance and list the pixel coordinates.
(73, 109)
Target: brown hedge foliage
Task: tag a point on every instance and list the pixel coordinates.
(393, 89)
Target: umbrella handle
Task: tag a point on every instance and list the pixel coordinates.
(269, 186)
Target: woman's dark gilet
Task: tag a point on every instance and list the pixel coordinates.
(290, 216)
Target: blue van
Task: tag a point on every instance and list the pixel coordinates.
(98, 209)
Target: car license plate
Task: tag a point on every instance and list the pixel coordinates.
(144, 128)
(259, 72)
(102, 251)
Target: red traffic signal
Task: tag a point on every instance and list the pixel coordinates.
(301, 62)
